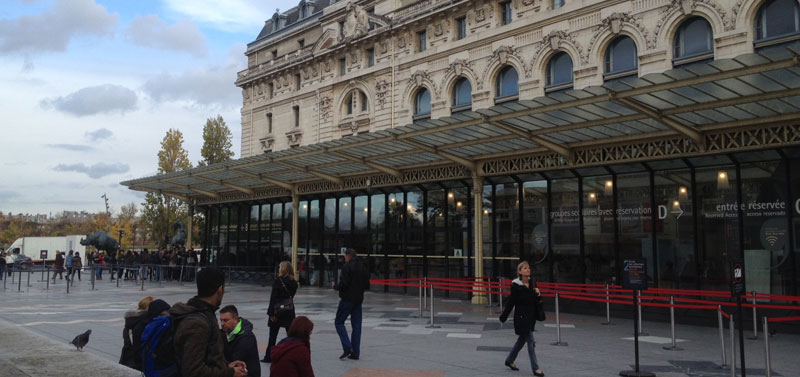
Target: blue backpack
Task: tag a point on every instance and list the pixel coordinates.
(158, 345)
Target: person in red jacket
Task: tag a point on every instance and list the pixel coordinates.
(291, 357)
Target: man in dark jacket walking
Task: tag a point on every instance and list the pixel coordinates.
(198, 343)
(352, 284)
(240, 341)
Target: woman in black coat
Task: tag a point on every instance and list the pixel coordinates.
(285, 286)
(524, 299)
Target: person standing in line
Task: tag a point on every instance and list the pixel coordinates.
(2, 264)
(135, 322)
(99, 264)
(77, 266)
(240, 341)
(352, 284)
(283, 289)
(524, 299)
(292, 356)
(58, 267)
(68, 263)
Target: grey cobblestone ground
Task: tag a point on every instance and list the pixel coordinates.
(470, 341)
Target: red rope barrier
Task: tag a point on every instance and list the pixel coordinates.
(726, 315)
(783, 319)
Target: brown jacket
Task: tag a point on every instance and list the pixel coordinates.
(198, 359)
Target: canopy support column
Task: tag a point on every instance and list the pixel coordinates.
(295, 230)
(190, 226)
(477, 193)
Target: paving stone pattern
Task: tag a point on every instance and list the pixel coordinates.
(469, 341)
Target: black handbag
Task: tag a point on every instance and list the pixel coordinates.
(540, 316)
(284, 306)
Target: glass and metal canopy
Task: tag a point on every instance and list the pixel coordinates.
(746, 103)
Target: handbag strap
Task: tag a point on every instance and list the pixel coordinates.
(284, 288)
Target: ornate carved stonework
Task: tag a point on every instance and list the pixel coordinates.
(267, 143)
(614, 23)
(556, 39)
(325, 104)
(355, 22)
(686, 7)
(295, 137)
(504, 55)
(381, 91)
(352, 126)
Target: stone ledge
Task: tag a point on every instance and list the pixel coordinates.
(24, 353)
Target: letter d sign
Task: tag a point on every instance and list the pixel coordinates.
(662, 212)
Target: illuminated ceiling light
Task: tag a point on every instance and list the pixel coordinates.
(609, 188)
(486, 212)
(592, 198)
(366, 210)
(345, 204)
(676, 205)
(458, 204)
(305, 206)
(450, 195)
(393, 200)
(683, 193)
(722, 181)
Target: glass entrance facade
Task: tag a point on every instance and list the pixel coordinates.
(686, 217)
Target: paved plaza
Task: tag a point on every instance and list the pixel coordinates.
(469, 342)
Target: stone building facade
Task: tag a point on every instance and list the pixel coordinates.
(322, 71)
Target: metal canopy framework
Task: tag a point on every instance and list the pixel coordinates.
(749, 102)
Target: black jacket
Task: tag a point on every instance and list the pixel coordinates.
(244, 347)
(131, 355)
(282, 288)
(353, 282)
(524, 301)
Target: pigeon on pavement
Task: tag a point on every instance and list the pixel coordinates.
(80, 341)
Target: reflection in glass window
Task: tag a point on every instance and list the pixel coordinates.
(345, 212)
(694, 39)
(565, 231)
(675, 229)
(621, 56)
(559, 70)
(634, 217)
(777, 18)
(507, 83)
(558, 3)
(508, 226)
(719, 227)
(598, 228)
(462, 94)
(535, 237)
(461, 27)
(505, 15)
(422, 103)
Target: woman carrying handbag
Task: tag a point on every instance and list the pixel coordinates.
(281, 305)
(526, 301)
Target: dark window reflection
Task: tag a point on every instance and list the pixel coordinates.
(675, 229)
(598, 227)
(567, 262)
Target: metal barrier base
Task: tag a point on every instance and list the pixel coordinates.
(633, 373)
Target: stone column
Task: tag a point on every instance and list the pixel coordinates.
(190, 227)
(295, 222)
(477, 193)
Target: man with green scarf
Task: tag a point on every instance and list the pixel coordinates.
(240, 342)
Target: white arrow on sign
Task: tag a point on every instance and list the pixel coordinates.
(679, 213)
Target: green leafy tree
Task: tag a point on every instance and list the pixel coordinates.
(216, 142)
(160, 211)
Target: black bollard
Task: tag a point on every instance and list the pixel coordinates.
(19, 282)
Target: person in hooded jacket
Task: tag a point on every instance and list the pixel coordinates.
(135, 321)
(240, 341)
(524, 299)
(292, 356)
(284, 287)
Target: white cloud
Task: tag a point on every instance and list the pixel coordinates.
(229, 15)
(152, 31)
(99, 134)
(94, 100)
(205, 86)
(53, 29)
(98, 170)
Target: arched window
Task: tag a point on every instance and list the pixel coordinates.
(422, 103)
(356, 103)
(621, 58)
(462, 95)
(507, 84)
(694, 41)
(559, 72)
(776, 20)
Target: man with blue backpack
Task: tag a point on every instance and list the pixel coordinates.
(188, 341)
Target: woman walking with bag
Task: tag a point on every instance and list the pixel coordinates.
(526, 301)
(281, 305)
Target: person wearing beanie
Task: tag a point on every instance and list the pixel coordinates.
(157, 308)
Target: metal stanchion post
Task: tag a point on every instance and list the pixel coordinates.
(755, 318)
(641, 332)
(48, 279)
(722, 336)
(489, 293)
(674, 346)
(608, 309)
(733, 346)
(93, 272)
(119, 276)
(160, 275)
(29, 277)
(768, 369)
(421, 288)
(432, 325)
(19, 282)
(142, 279)
(5, 279)
(68, 283)
(425, 293)
(180, 278)
(558, 325)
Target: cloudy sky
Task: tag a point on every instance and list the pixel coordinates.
(88, 88)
